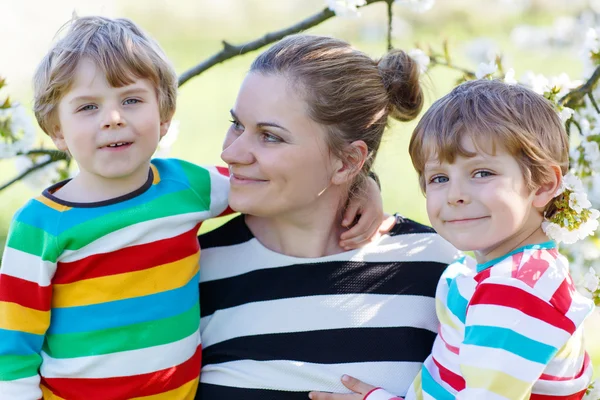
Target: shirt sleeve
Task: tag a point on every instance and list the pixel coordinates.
(511, 333)
(25, 301)
(380, 394)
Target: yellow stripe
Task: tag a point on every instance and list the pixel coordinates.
(155, 174)
(418, 385)
(442, 313)
(48, 395)
(496, 382)
(52, 204)
(15, 317)
(186, 391)
(126, 285)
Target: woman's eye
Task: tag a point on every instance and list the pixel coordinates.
(131, 101)
(482, 174)
(236, 125)
(267, 137)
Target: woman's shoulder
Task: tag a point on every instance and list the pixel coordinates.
(235, 231)
(420, 241)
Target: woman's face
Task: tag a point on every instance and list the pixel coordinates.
(278, 157)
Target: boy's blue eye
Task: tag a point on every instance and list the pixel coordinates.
(483, 174)
(131, 101)
(87, 107)
(439, 179)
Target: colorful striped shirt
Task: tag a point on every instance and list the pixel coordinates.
(100, 300)
(509, 329)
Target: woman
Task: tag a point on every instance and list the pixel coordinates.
(282, 303)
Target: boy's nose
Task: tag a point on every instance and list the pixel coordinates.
(457, 193)
(113, 119)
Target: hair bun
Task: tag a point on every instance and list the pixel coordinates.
(400, 74)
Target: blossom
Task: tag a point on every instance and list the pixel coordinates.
(40, 178)
(591, 151)
(484, 69)
(591, 281)
(509, 77)
(572, 182)
(420, 58)
(481, 50)
(419, 6)
(22, 131)
(578, 201)
(345, 8)
(566, 113)
(593, 392)
(537, 82)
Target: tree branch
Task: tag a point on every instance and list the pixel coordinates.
(55, 155)
(575, 97)
(27, 172)
(230, 51)
(390, 15)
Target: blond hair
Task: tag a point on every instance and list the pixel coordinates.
(345, 90)
(493, 113)
(119, 48)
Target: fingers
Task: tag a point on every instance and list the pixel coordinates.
(356, 385)
(387, 224)
(361, 233)
(351, 213)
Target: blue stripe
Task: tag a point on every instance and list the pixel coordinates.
(19, 343)
(433, 388)
(170, 168)
(38, 215)
(456, 303)
(509, 340)
(545, 246)
(124, 312)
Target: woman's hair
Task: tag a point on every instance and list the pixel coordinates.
(347, 91)
(492, 114)
(119, 48)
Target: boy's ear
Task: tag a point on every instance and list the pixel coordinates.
(355, 157)
(59, 140)
(164, 127)
(546, 192)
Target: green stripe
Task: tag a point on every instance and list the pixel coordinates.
(199, 180)
(32, 240)
(132, 337)
(181, 202)
(18, 367)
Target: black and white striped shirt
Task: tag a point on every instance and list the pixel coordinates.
(276, 327)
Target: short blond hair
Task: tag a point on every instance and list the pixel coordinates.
(493, 113)
(119, 48)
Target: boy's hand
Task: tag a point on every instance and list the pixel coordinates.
(359, 388)
(372, 221)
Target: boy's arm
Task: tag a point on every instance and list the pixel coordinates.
(511, 334)
(25, 299)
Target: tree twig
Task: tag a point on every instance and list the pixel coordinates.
(575, 96)
(27, 172)
(230, 51)
(390, 16)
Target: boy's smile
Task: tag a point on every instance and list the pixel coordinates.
(111, 132)
(481, 203)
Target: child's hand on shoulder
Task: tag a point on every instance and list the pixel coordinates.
(361, 391)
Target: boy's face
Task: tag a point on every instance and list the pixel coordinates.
(482, 203)
(110, 132)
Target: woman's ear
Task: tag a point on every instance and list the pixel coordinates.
(547, 191)
(354, 158)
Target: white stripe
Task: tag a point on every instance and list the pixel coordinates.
(25, 388)
(219, 191)
(394, 377)
(126, 363)
(252, 255)
(28, 267)
(500, 360)
(503, 268)
(334, 311)
(581, 308)
(511, 318)
(380, 394)
(552, 278)
(445, 357)
(140, 233)
(476, 394)
(564, 388)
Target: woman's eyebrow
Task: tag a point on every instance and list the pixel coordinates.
(260, 124)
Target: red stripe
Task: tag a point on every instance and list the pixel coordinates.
(129, 259)
(456, 381)
(562, 298)
(453, 349)
(127, 387)
(574, 396)
(584, 367)
(25, 293)
(223, 171)
(509, 296)
(483, 275)
(516, 259)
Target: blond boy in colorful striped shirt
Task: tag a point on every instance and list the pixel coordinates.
(490, 159)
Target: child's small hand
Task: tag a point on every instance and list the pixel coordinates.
(359, 388)
(372, 221)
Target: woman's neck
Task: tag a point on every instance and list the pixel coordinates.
(308, 234)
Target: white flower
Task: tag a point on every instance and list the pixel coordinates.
(420, 58)
(589, 227)
(558, 233)
(565, 113)
(578, 201)
(481, 49)
(165, 144)
(591, 151)
(594, 391)
(484, 69)
(537, 82)
(345, 8)
(509, 77)
(419, 6)
(40, 178)
(22, 130)
(591, 281)
(572, 182)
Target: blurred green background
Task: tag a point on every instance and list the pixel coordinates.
(191, 31)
